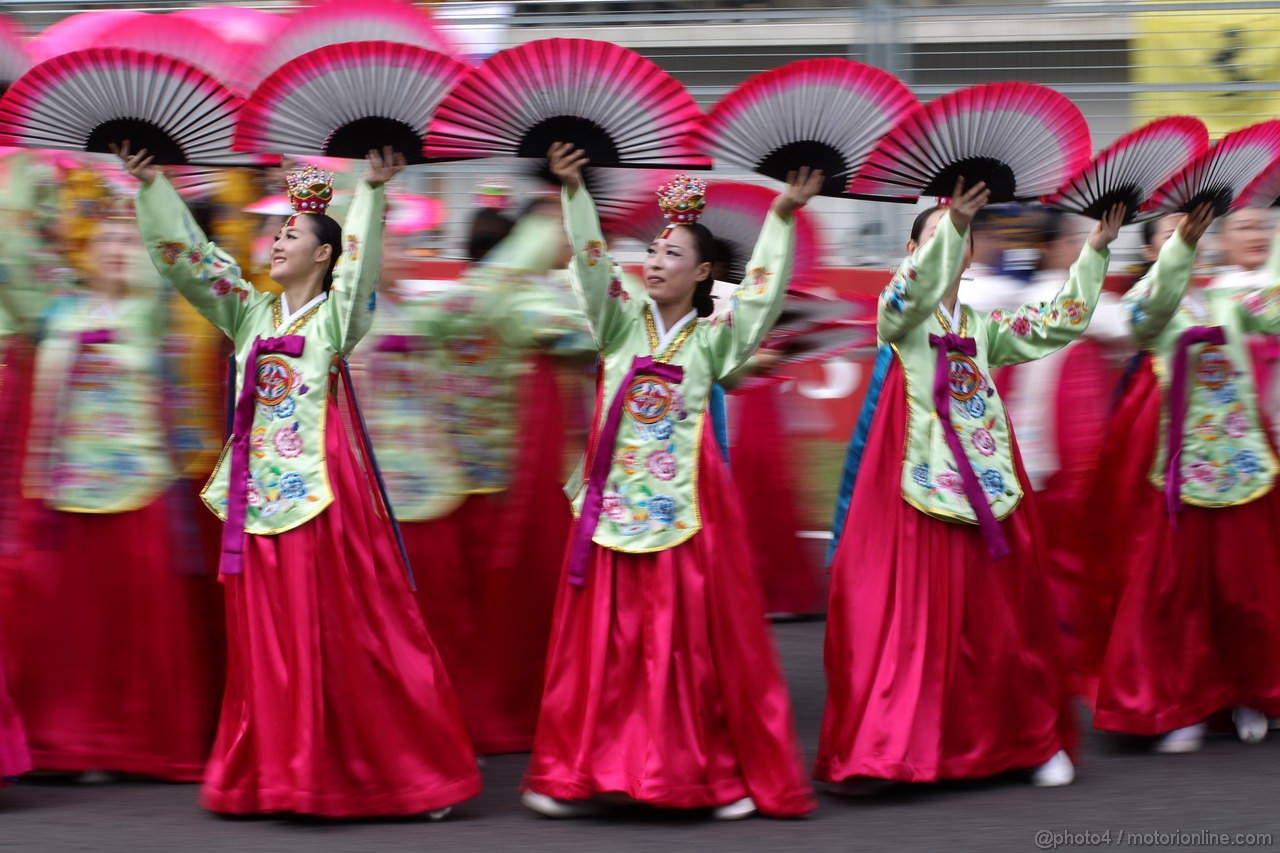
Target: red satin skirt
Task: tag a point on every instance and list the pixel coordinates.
(15, 759)
(488, 575)
(15, 404)
(762, 468)
(109, 647)
(662, 680)
(941, 663)
(337, 703)
(1197, 605)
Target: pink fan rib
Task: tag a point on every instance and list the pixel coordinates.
(187, 40)
(256, 127)
(1229, 168)
(651, 117)
(1030, 124)
(1144, 158)
(342, 21)
(77, 32)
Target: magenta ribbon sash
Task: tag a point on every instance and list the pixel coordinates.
(598, 474)
(395, 344)
(1178, 409)
(96, 336)
(997, 547)
(232, 560)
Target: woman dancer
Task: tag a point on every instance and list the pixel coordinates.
(942, 651)
(662, 684)
(336, 701)
(1196, 628)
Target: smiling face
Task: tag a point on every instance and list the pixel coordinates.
(297, 253)
(672, 268)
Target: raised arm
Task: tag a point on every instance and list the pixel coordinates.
(609, 300)
(204, 274)
(915, 290)
(355, 279)
(1033, 331)
(1152, 302)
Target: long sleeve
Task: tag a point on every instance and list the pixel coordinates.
(209, 278)
(755, 306)
(542, 314)
(1154, 300)
(355, 279)
(610, 300)
(915, 290)
(1035, 330)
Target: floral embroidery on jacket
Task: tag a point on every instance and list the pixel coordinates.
(594, 251)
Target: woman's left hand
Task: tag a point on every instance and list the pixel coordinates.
(1108, 227)
(802, 185)
(383, 166)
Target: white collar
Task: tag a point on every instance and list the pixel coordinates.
(289, 316)
(954, 317)
(665, 335)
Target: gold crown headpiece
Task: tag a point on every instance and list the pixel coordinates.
(682, 200)
(310, 190)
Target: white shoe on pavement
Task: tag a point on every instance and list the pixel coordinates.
(1178, 741)
(1251, 725)
(1055, 772)
(743, 808)
(439, 814)
(559, 809)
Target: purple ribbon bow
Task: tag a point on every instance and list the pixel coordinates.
(987, 522)
(598, 474)
(1178, 408)
(232, 561)
(395, 344)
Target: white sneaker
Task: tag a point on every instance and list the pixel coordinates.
(439, 814)
(1251, 725)
(1178, 741)
(560, 809)
(1055, 772)
(745, 807)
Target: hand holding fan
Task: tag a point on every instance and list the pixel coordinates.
(824, 113)
(1021, 139)
(614, 104)
(1223, 173)
(1132, 168)
(345, 99)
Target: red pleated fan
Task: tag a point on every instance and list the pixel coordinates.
(616, 105)
(344, 21)
(1132, 168)
(15, 60)
(822, 113)
(182, 39)
(1223, 173)
(342, 100)
(85, 100)
(1022, 139)
(77, 32)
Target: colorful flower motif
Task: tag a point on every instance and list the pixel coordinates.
(992, 482)
(895, 295)
(662, 509)
(292, 486)
(594, 251)
(1076, 311)
(759, 279)
(1137, 316)
(1226, 395)
(617, 291)
(1246, 461)
(661, 430)
(613, 506)
(949, 482)
(352, 251)
(270, 509)
(997, 315)
(258, 442)
(920, 474)
(1235, 424)
(983, 442)
(1201, 472)
(253, 494)
(288, 443)
(627, 459)
(661, 464)
(221, 287)
(170, 252)
(1206, 429)
(285, 408)
(634, 528)
(975, 407)
(1020, 326)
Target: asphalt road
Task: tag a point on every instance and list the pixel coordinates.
(1121, 787)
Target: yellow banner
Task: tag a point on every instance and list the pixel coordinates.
(1237, 49)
